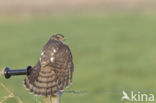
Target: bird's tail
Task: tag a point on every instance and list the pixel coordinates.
(45, 83)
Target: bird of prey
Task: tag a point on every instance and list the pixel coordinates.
(53, 71)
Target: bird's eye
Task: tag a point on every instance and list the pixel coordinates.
(57, 37)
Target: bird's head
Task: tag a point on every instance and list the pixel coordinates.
(58, 37)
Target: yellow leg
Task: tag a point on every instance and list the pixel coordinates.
(55, 99)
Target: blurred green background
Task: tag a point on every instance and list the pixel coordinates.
(112, 50)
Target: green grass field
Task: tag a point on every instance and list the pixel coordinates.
(112, 52)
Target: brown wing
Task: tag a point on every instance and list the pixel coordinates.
(63, 66)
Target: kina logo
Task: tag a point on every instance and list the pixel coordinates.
(138, 96)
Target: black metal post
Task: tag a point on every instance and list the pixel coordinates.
(8, 72)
